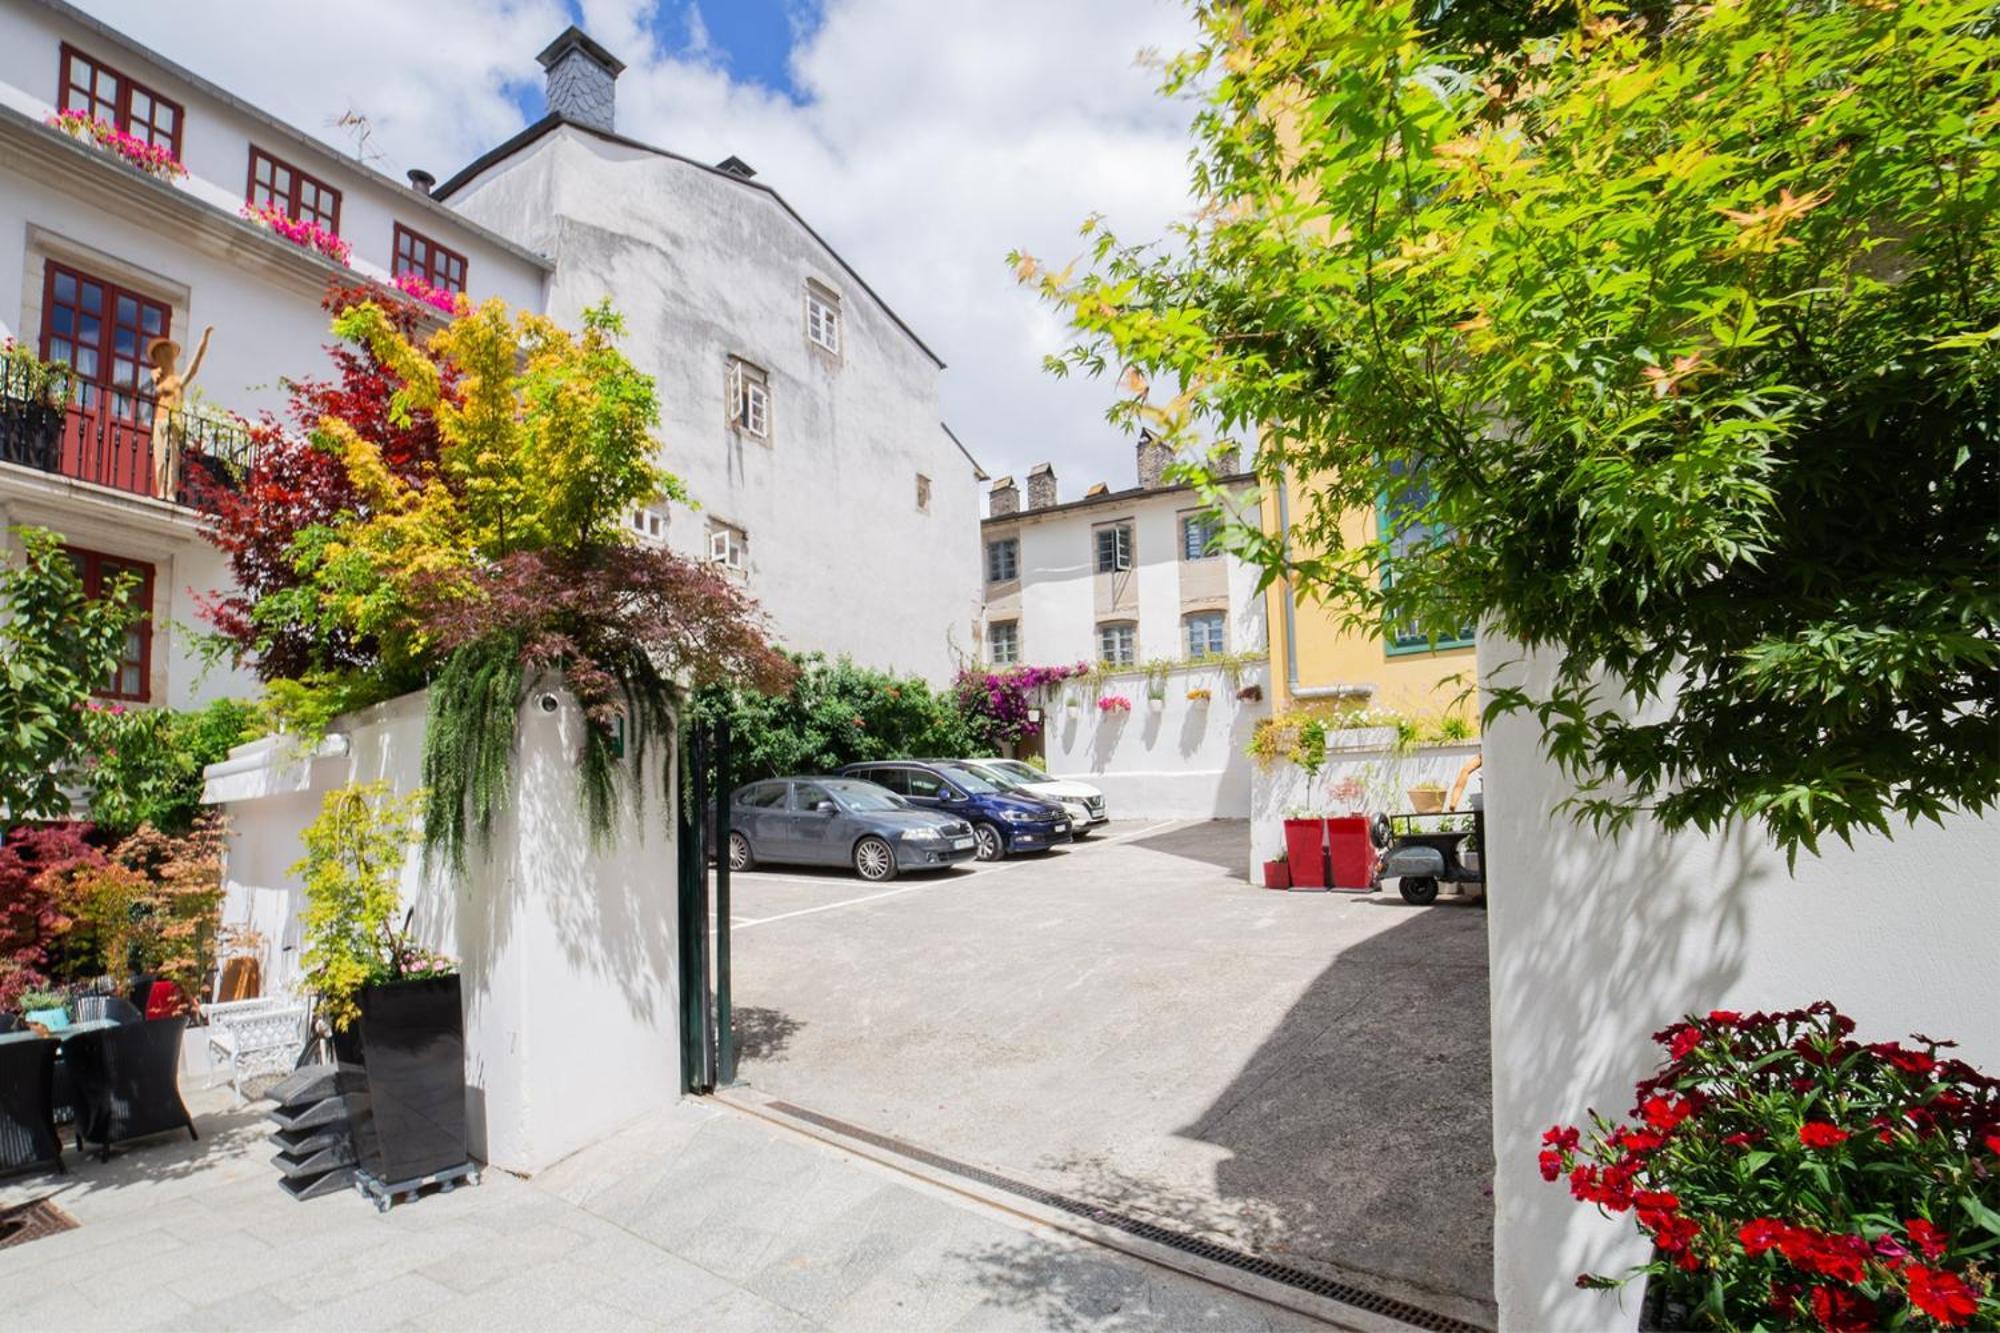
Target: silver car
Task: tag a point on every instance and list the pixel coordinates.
(838, 822)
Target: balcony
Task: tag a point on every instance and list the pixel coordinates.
(116, 440)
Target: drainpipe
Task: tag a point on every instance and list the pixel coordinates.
(1293, 690)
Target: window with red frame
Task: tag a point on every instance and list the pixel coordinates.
(276, 183)
(132, 678)
(94, 88)
(441, 268)
(101, 332)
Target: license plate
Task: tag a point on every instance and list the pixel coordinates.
(1061, 826)
(960, 844)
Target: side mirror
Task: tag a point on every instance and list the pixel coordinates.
(947, 794)
(825, 808)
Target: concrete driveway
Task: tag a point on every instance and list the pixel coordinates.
(1126, 1022)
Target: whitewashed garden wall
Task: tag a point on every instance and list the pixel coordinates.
(567, 953)
(1598, 943)
(1364, 755)
(1188, 761)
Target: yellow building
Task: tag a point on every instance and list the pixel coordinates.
(1314, 659)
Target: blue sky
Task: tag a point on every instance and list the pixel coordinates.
(749, 38)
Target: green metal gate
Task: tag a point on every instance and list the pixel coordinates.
(708, 1045)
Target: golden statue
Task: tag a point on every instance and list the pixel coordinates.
(170, 386)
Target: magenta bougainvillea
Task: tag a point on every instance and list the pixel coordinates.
(999, 704)
(152, 158)
(1788, 1175)
(302, 232)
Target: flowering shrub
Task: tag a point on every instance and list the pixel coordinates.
(31, 916)
(153, 159)
(1788, 1174)
(413, 285)
(997, 703)
(302, 232)
(1114, 703)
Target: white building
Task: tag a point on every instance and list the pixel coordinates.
(802, 413)
(98, 259)
(1129, 579)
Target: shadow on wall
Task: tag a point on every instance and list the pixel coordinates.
(1581, 979)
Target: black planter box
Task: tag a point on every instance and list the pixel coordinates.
(408, 1121)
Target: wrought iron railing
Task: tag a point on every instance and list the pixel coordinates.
(52, 424)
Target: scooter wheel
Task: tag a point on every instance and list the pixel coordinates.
(1422, 892)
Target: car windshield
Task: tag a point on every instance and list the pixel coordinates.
(995, 774)
(971, 781)
(1017, 770)
(864, 797)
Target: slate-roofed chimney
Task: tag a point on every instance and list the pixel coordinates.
(582, 79)
(1005, 498)
(1041, 486)
(1153, 459)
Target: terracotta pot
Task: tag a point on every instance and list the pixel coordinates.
(1426, 800)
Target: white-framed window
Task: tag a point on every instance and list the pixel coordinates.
(1118, 643)
(749, 398)
(728, 546)
(823, 317)
(1003, 642)
(649, 523)
(923, 493)
(1114, 548)
(1198, 532)
(1003, 559)
(1206, 634)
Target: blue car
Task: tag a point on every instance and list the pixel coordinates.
(1004, 822)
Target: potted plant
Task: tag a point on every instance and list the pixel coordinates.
(393, 1006)
(1426, 797)
(33, 396)
(1789, 1176)
(1251, 694)
(1113, 706)
(1278, 872)
(1305, 848)
(1198, 697)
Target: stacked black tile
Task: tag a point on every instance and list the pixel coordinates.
(315, 1147)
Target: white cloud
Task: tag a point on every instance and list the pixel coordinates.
(933, 136)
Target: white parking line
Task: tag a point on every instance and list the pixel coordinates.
(988, 868)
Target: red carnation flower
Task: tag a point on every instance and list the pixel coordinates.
(1743, 1139)
(1727, 1018)
(1820, 1134)
(1665, 1113)
(1551, 1164)
(1682, 1040)
(1928, 1239)
(1563, 1138)
(1843, 1311)
(1941, 1295)
(1760, 1234)
(1639, 1140)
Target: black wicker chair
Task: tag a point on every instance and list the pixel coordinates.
(10, 1022)
(27, 1106)
(126, 1083)
(114, 1007)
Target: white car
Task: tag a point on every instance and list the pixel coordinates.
(1084, 802)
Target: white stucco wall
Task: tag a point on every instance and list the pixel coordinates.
(1596, 944)
(705, 267)
(1278, 789)
(1188, 761)
(567, 951)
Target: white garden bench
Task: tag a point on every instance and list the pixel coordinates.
(254, 1037)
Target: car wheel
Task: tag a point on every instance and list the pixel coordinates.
(739, 852)
(991, 845)
(874, 859)
(1421, 891)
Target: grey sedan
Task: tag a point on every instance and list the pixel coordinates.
(841, 821)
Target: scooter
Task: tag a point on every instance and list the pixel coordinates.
(1421, 858)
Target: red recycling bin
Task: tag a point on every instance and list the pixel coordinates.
(1352, 852)
(1305, 850)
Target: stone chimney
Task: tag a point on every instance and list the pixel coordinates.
(1228, 461)
(1153, 460)
(1041, 486)
(582, 76)
(1004, 498)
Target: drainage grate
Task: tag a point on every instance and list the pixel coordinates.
(1296, 1278)
(32, 1221)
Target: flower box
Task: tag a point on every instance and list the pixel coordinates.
(1305, 852)
(408, 1117)
(153, 159)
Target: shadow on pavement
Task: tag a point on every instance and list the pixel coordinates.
(1217, 842)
